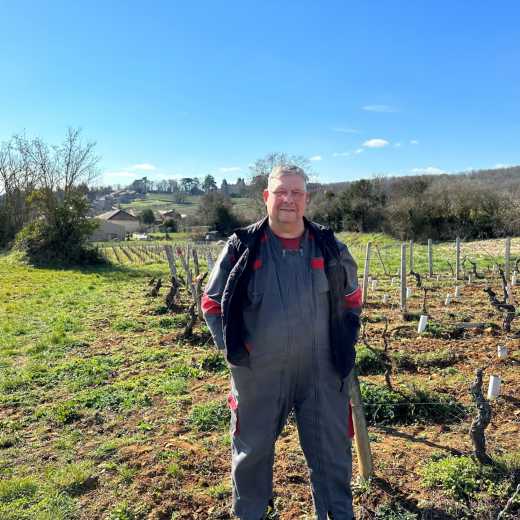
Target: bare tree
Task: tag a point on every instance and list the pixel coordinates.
(76, 161)
(35, 178)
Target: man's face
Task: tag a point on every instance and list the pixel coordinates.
(286, 199)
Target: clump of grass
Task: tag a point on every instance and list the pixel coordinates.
(122, 511)
(65, 413)
(458, 476)
(17, 488)
(160, 310)
(13, 380)
(56, 506)
(220, 491)
(213, 362)
(464, 479)
(80, 373)
(375, 318)
(173, 386)
(127, 325)
(509, 462)
(436, 359)
(437, 330)
(439, 359)
(126, 474)
(155, 355)
(404, 361)
(174, 470)
(369, 361)
(391, 511)
(210, 416)
(74, 478)
(144, 426)
(114, 398)
(7, 440)
(384, 406)
(106, 450)
(186, 371)
(172, 322)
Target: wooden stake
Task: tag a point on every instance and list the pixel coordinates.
(507, 258)
(403, 278)
(457, 258)
(195, 262)
(430, 257)
(366, 271)
(171, 261)
(361, 439)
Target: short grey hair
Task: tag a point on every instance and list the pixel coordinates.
(281, 170)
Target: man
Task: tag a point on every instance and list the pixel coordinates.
(284, 303)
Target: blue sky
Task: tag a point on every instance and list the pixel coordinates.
(172, 89)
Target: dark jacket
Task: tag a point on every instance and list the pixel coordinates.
(344, 321)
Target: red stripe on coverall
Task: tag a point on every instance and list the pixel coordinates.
(209, 306)
(233, 405)
(317, 263)
(353, 299)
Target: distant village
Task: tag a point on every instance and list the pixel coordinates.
(118, 223)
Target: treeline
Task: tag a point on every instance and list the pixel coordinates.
(43, 207)
(472, 206)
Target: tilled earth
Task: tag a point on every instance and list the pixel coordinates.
(162, 468)
(398, 451)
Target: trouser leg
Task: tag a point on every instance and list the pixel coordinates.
(322, 420)
(256, 422)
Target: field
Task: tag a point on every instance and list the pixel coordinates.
(165, 201)
(107, 412)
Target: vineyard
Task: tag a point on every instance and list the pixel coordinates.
(113, 398)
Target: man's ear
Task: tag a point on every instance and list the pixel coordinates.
(265, 195)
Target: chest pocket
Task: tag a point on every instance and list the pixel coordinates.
(256, 285)
(319, 278)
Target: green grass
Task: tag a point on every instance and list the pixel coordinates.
(93, 379)
(384, 406)
(464, 478)
(208, 417)
(369, 361)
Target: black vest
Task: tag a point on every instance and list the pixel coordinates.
(344, 324)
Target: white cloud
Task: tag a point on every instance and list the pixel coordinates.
(315, 158)
(342, 130)
(414, 141)
(376, 143)
(145, 167)
(499, 165)
(228, 169)
(397, 145)
(358, 151)
(341, 154)
(380, 108)
(430, 170)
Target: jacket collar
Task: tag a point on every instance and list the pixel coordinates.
(250, 234)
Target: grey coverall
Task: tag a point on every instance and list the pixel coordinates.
(286, 323)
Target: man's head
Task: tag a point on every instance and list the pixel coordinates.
(286, 198)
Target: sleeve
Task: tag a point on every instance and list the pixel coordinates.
(212, 296)
(353, 294)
